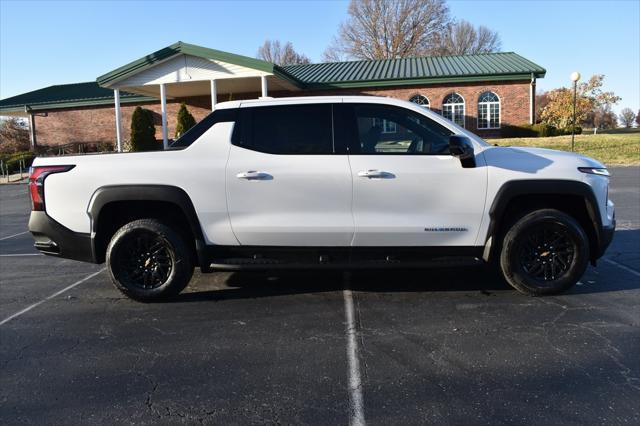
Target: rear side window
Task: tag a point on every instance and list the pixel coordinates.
(219, 116)
(287, 129)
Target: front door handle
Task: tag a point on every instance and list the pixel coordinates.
(253, 175)
(374, 173)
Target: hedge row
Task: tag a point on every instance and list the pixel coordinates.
(12, 161)
(536, 131)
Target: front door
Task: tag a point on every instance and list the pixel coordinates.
(285, 185)
(407, 189)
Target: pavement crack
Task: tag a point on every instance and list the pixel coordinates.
(610, 350)
(613, 353)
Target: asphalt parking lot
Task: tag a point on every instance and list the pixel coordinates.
(439, 346)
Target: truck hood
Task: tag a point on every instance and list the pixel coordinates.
(534, 160)
(560, 155)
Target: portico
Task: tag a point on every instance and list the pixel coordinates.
(182, 70)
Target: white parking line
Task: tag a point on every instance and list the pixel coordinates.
(14, 235)
(21, 254)
(621, 266)
(356, 415)
(57, 293)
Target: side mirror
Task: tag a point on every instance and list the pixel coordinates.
(462, 148)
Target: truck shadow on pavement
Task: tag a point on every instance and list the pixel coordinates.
(242, 285)
(481, 279)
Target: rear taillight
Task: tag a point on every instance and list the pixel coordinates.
(37, 176)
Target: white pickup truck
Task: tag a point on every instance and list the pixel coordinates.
(323, 182)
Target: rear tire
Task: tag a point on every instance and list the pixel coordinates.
(148, 261)
(545, 252)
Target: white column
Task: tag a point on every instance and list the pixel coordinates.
(263, 81)
(163, 104)
(32, 131)
(532, 100)
(214, 95)
(116, 96)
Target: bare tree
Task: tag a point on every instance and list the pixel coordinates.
(627, 117)
(601, 118)
(334, 54)
(638, 119)
(385, 29)
(462, 38)
(274, 51)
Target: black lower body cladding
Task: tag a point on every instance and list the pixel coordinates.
(53, 239)
(606, 236)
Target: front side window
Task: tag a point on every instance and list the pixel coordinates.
(413, 133)
(287, 129)
(453, 108)
(420, 100)
(488, 111)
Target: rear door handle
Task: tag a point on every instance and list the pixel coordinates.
(373, 173)
(253, 175)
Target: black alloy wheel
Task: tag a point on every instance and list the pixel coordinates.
(547, 252)
(145, 260)
(149, 261)
(544, 252)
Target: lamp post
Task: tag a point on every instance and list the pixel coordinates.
(575, 76)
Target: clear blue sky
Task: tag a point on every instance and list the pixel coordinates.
(50, 42)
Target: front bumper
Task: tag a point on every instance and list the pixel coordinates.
(53, 239)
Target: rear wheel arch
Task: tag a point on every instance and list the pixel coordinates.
(113, 206)
(517, 198)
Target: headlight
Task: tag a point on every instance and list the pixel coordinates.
(595, 171)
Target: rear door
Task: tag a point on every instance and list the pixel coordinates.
(407, 189)
(286, 186)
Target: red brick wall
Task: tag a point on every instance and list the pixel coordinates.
(97, 124)
(514, 99)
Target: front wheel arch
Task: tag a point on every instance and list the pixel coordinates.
(518, 198)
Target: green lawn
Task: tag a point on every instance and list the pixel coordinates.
(610, 149)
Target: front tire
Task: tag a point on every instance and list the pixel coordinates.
(148, 261)
(545, 252)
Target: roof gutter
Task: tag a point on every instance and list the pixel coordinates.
(64, 105)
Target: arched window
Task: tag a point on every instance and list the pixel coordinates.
(453, 108)
(488, 111)
(420, 100)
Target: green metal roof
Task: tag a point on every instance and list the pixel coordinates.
(424, 70)
(67, 96)
(189, 49)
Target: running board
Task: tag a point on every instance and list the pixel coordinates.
(244, 264)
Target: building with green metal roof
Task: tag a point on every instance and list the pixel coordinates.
(481, 92)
